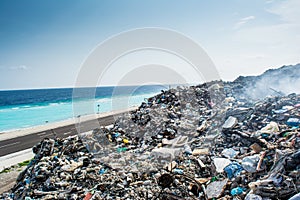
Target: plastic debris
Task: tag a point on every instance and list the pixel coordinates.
(256, 147)
(88, 196)
(220, 164)
(293, 122)
(178, 171)
(295, 197)
(250, 163)
(229, 153)
(230, 122)
(233, 170)
(187, 149)
(215, 189)
(253, 197)
(200, 152)
(184, 143)
(171, 165)
(272, 127)
(237, 191)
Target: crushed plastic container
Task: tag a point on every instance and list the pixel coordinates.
(280, 111)
(293, 122)
(121, 149)
(233, 169)
(230, 122)
(249, 163)
(178, 171)
(237, 191)
(221, 163)
(102, 171)
(229, 153)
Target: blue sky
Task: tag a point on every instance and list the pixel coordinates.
(44, 43)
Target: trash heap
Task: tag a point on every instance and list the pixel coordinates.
(198, 142)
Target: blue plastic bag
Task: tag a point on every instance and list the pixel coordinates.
(237, 191)
(233, 169)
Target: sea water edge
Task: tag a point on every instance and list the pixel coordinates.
(26, 115)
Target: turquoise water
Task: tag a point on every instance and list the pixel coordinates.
(24, 115)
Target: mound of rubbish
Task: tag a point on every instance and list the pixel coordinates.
(197, 142)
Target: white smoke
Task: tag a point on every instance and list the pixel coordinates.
(274, 82)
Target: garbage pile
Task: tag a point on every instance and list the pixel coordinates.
(198, 142)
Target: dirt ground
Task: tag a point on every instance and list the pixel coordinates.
(7, 180)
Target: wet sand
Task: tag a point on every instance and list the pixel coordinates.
(8, 180)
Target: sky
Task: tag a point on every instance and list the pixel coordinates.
(43, 44)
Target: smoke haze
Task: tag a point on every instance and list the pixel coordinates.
(273, 82)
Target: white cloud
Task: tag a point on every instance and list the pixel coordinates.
(269, 1)
(243, 21)
(288, 11)
(283, 36)
(272, 42)
(20, 67)
(248, 18)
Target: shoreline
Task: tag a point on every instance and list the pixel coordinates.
(45, 127)
(8, 161)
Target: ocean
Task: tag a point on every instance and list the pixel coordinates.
(26, 108)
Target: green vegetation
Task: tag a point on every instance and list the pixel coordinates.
(6, 170)
(25, 163)
(17, 167)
